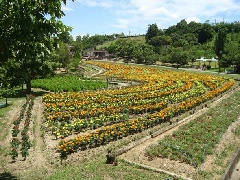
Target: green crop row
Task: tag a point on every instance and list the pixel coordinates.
(71, 83)
(197, 139)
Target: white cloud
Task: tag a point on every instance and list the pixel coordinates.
(122, 24)
(182, 8)
(195, 19)
(65, 8)
(137, 13)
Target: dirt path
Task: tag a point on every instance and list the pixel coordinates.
(37, 154)
(137, 154)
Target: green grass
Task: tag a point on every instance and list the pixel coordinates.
(94, 169)
(106, 44)
(139, 39)
(97, 169)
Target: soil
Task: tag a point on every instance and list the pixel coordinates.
(37, 157)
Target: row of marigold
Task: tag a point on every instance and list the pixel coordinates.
(116, 131)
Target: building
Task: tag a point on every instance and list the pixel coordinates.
(97, 54)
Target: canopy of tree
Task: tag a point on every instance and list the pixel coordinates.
(194, 40)
(29, 34)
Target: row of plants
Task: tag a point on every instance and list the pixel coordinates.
(197, 139)
(90, 107)
(119, 130)
(71, 83)
(65, 128)
(116, 131)
(25, 113)
(81, 125)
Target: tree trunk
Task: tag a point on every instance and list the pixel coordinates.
(29, 87)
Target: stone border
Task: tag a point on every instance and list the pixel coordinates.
(229, 170)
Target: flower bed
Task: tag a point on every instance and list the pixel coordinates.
(107, 115)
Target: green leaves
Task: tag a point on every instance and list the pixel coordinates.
(68, 83)
(29, 30)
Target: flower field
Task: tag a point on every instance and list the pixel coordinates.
(97, 117)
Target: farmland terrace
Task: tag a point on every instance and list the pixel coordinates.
(196, 117)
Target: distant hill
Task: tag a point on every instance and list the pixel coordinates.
(140, 39)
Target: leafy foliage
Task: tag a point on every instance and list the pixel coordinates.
(68, 83)
(197, 139)
(29, 31)
(152, 31)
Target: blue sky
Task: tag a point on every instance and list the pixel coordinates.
(133, 16)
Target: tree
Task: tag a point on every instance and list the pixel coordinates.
(152, 31)
(29, 34)
(6, 89)
(181, 43)
(179, 56)
(77, 49)
(63, 54)
(194, 27)
(205, 34)
(219, 45)
(160, 40)
(191, 38)
(66, 37)
(175, 37)
(123, 48)
(144, 54)
(231, 55)
(182, 27)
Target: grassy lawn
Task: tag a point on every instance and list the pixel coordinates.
(95, 169)
(139, 39)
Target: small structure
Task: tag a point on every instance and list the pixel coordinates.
(207, 60)
(98, 54)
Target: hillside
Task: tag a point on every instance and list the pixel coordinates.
(139, 39)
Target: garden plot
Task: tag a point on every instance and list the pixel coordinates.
(85, 120)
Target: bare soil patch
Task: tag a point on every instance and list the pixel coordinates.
(37, 153)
